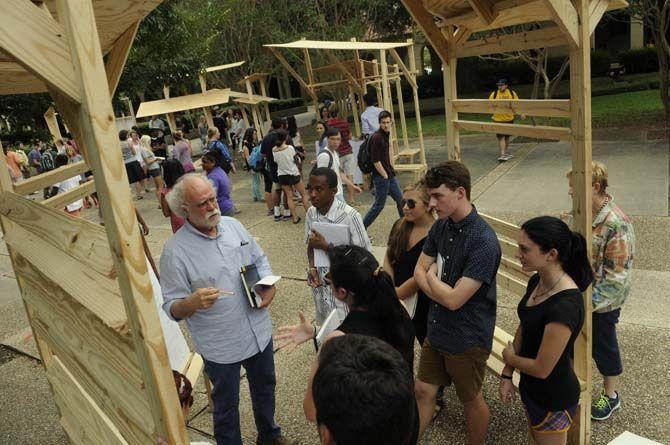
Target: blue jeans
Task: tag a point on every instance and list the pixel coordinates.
(226, 397)
(383, 188)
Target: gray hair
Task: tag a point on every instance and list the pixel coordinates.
(176, 199)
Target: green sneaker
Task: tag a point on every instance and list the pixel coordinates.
(603, 408)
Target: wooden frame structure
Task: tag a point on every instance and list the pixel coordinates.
(86, 289)
(257, 102)
(351, 78)
(448, 25)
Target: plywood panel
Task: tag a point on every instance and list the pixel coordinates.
(39, 182)
(77, 237)
(97, 293)
(102, 361)
(83, 420)
(182, 103)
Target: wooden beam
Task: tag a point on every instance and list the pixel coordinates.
(116, 59)
(352, 80)
(484, 10)
(509, 13)
(426, 22)
(451, 94)
(565, 17)
(77, 237)
(539, 38)
(580, 95)
(408, 76)
(415, 97)
(38, 43)
(511, 283)
(62, 199)
(530, 107)
(96, 125)
(96, 293)
(310, 78)
(52, 124)
(92, 425)
(293, 73)
(532, 131)
(43, 180)
(461, 35)
(597, 9)
(502, 228)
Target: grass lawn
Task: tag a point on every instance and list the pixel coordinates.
(616, 110)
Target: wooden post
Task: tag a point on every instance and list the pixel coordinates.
(264, 93)
(453, 140)
(378, 87)
(401, 111)
(388, 105)
(580, 96)
(170, 117)
(354, 111)
(415, 95)
(310, 79)
(129, 103)
(206, 110)
(93, 122)
(52, 124)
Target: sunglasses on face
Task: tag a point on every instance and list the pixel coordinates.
(410, 203)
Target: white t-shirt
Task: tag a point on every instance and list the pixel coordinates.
(285, 160)
(69, 184)
(323, 160)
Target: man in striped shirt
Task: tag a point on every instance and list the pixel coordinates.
(322, 188)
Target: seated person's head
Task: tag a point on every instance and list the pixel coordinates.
(184, 391)
(363, 393)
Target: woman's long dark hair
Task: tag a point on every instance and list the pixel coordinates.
(249, 136)
(172, 170)
(552, 233)
(215, 157)
(356, 270)
(292, 126)
(325, 130)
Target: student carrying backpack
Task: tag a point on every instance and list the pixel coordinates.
(364, 161)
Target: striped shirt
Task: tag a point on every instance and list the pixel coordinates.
(339, 213)
(613, 242)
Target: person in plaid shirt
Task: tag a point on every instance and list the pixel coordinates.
(613, 250)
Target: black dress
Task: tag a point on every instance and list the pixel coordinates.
(403, 270)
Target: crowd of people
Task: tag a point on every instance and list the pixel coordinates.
(436, 285)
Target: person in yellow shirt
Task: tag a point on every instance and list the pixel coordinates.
(503, 92)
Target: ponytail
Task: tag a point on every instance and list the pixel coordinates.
(552, 233)
(356, 270)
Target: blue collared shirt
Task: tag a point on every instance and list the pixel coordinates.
(231, 330)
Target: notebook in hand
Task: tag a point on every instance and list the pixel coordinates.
(329, 325)
(251, 279)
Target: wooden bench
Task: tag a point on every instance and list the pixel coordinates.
(417, 170)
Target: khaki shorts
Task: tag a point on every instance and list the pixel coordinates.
(348, 164)
(465, 370)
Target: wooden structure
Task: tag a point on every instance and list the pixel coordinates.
(351, 78)
(448, 25)
(202, 77)
(256, 101)
(86, 288)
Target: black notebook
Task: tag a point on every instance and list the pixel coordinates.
(250, 278)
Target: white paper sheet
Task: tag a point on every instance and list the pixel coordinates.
(329, 325)
(337, 234)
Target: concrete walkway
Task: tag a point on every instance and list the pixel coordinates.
(532, 184)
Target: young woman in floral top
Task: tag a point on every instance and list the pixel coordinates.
(613, 250)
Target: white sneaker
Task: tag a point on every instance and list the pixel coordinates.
(502, 158)
(509, 156)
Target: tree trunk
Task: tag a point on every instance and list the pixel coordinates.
(557, 79)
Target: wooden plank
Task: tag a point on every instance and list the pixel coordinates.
(495, 44)
(511, 283)
(495, 362)
(461, 35)
(98, 294)
(62, 199)
(509, 13)
(415, 98)
(512, 267)
(211, 69)
(484, 10)
(532, 131)
(450, 114)
(84, 422)
(77, 237)
(52, 124)
(97, 130)
(408, 76)
(597, 9)
(426, 22)
(182, 103)
(38, 43)
(353, 82)
(508, 248)
(294, 73)
(335, 45)
(502, 227)
(565, 16)
(39, 182)
(530, 107)
(100, 361)
(116, 59)
(580, 95)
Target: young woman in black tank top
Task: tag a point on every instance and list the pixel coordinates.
(551, 317)
(403, 250)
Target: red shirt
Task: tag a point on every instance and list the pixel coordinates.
(345, 132)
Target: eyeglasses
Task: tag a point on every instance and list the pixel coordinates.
(410, 203)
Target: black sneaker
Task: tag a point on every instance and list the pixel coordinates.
(277, 218)
(603, 408)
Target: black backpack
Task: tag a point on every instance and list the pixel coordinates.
(365, 163)
(47, 161)
(330, 161)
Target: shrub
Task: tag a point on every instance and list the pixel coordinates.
(284, 104)
(600, 63)
(26, 136)
(643, 60)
